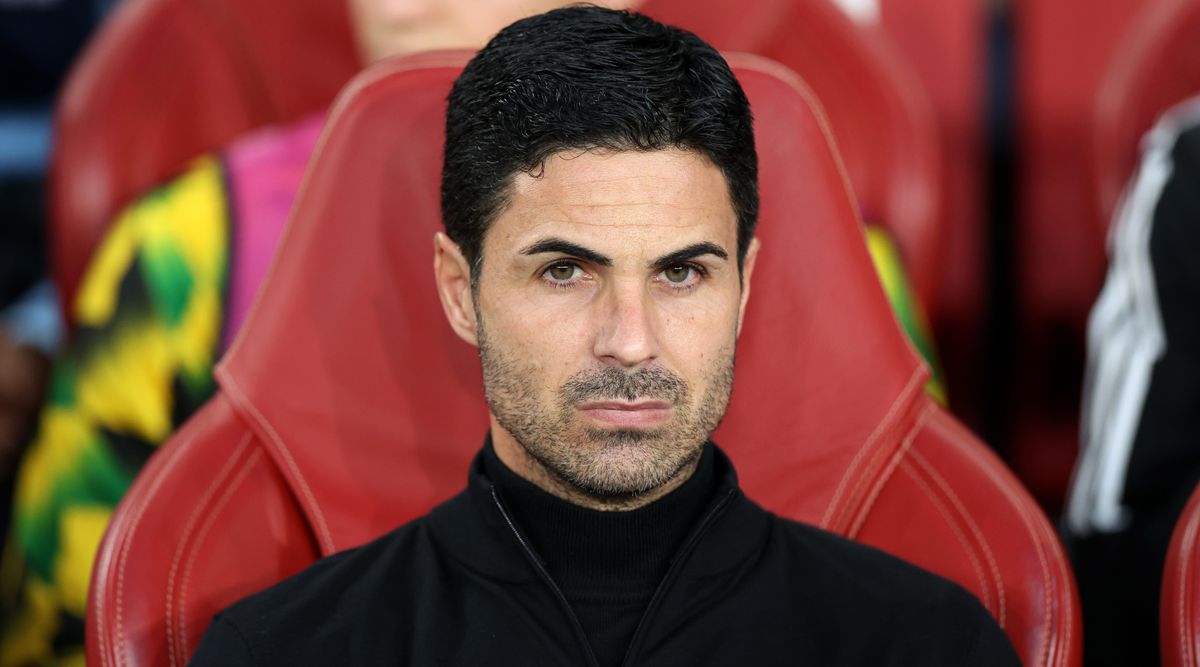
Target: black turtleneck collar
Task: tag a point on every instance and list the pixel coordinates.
(607, 563)
(473, 530)
(576, 541)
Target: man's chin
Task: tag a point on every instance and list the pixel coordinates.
(620, 439)
(627, 463)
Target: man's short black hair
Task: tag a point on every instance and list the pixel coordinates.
(580, 78)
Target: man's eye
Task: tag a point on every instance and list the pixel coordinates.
(678, 274)
(561, 272)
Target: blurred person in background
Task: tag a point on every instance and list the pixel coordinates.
(1139, 462)
(171, 282)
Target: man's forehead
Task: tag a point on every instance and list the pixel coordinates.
(644, 192)
(596, 177)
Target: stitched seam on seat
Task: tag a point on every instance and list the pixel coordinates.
(1182, 606)
(200, 507)
(883, 424)
(1189, 543)
(1066, 625)
(318, 516)
(123, 558)
(872, 460)
(255, 457)
(958, 534)
(1023, 511)
(979, 536)
(881, 482)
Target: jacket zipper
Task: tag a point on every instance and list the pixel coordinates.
(672, 574)
(541, 570)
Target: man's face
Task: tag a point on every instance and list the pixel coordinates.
(606, 313)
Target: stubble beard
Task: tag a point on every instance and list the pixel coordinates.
(607, 465)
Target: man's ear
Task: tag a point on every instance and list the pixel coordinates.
(452, 274)
(747, 273)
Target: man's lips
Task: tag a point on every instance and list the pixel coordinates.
(642, 414)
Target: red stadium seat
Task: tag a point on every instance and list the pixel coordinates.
(1061, 52)
(1179, 617)
(1156, 67)
(880, 117)
(165, 81)
(347, 406)
(946, 43)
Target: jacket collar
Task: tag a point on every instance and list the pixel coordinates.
(471, 528)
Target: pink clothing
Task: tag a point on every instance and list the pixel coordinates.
(263, 171)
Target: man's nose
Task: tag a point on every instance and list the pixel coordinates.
(627, 332)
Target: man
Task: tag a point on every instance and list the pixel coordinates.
(1139, 462)
(599, 194)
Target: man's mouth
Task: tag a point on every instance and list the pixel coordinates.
(621, 414)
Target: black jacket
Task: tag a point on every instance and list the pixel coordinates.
(461, 586)
(1152, 289)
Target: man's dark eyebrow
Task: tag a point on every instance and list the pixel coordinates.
(684, 254)
(567, 248)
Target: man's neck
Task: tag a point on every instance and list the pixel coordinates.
(517, 459)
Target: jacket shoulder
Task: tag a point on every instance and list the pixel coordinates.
(314, 616)
(867, 571)
(928, 617)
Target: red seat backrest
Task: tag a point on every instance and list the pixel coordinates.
(1060, 50)
(946, 42)
(880, 117)
(347, 406)
(165, 81)
(1179, 615)
(1156, 67)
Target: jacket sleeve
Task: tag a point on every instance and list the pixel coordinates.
(991, 647)
(224, 645)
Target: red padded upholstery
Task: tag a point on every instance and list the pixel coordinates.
(347, 406)
(946, 43)
(880, 117)
(167, 80)
(1060, 51)
(1156, 67)
(1179, 617)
